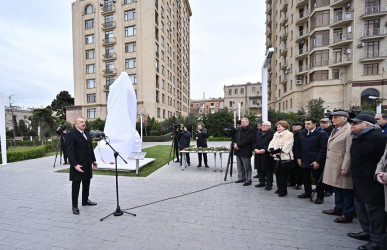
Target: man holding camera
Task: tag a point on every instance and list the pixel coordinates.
(243, 146)
(61, 131)
(201, 141)
(184, 141)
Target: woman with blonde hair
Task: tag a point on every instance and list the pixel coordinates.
(280, 147)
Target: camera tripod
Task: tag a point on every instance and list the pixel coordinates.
(174, 148)
(58, 149)
(230, 161)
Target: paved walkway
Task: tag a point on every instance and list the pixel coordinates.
(35, 212)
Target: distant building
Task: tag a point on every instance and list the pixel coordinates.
(206, 106)
(149, 40)
(19, 114)
(248, 95)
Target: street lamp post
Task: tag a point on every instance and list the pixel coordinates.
(265, 67)
(2, 130)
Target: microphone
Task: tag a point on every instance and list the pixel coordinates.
(97, 133)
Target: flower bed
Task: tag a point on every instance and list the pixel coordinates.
(202, 149)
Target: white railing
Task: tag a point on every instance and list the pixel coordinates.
(342, 37)
(319, 63)
(341, 17)
(302, 15)
(302, 68)
(303, 32)
(373, 54)
(342, 58)
(374, 32)
(374, 9)
(302, 51)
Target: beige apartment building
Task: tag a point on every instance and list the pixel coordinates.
(206, 106)
(248, 95)
(333, 49)
(149, 40)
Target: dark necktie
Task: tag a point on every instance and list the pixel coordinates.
(84, 135)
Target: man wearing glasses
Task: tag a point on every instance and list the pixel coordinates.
(367, 148)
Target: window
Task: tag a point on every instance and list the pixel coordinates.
(162, 84)
(319, 3)
(372, 27)
(109, 81)
(109, 67)
(130, 47)
(90, 83)
(157, 96)
(130, 31)
(372, 6)
(128, 1)
(319, 58)
(230, 104)
(230, 92)
(133, 78)
(235, 91)
(130, 63)
(253, 89)
(89, 24)
(163, 113)
(91, 97)
(335, 73)
(109, 52)
(90, 68)
(242, 90)
(158, 112)
(371, 69)
(365, 96)
(319, 19)
(157, 65)
(319, 38)
(89, 39)
(108, 21)
(130, 15)
(90, 54)
(91, 113)
(371, 49)
(89, 9)
(319, 75)
(162, 98)
(109, 36)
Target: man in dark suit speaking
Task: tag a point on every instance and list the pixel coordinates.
(81, 157)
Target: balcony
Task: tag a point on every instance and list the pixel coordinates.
(341, 20)
(302, 17)
(106, 87)
(303, 52)
(285, 79)
(302, 34)
(108, 41)
(284, 50)
(339, 3)
(301, 3)
(284, 5)
(284, 65)
(374, 11)
(109, 56)
(302, 70)
(109, 25)
(284, 34)
(320, 63)
(284, 19)
(340, 61)
(108, 9)
(109, 72)
(268, 8)
(341, 40)
(373, 34)
(373, 55)
(268, 20)
(268, 31)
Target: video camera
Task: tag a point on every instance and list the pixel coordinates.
(229, 132)
(62, 126)
(178, 126)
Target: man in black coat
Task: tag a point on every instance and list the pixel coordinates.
(295, 175)
(263, 162)
(184, 142)
(327, 126)
(367, 148)
(311, 149)
(243, 150)
(61, 131)
(81, 157)
(201, 141)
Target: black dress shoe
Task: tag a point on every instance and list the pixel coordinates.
(206, 166)
(304, 196)
(369, 246)
(75, 210)
(199, 166)
(319, 200)
(260, 185)
(360, 236)
(298, 187)
(89, 203)
(247, 183)
(189, 164)
(255, 176)
(291, 185)
(282, 194)
(327, 194)
(331, 212)
(342, 219)
(276, 191)
(239, 181)
(268, 188)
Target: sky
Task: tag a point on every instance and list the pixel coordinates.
(36, 56)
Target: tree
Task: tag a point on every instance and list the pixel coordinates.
(22, 127)
(62, 99)
(216, 122)
(43, 121)
(315, 108)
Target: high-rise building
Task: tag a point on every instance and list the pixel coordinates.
(148, 39)
(248, 96)
(333, 49)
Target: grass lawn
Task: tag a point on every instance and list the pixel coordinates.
(160, 153)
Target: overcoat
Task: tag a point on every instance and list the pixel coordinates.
(382, 167)
(79, 152)
(366, 151)
(339, 158)
(202, 141)
(184, 141)
(262, 141)
(284, 141)
(244, 140)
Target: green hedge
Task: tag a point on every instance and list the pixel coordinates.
(26, 154)
(160, 138)
(20, 143)
(211, 138)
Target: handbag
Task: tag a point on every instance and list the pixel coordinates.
(287, 164)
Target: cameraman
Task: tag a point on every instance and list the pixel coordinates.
(61, 131)
(175, 136)
(185, 137)
(201, 141)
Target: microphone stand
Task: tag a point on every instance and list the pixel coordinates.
(118, 211)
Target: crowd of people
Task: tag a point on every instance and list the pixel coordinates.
(344, 156)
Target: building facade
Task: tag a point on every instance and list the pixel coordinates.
(206, 106)
(248, 95)
(333, 49)
(150, 40)
(19, 114)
